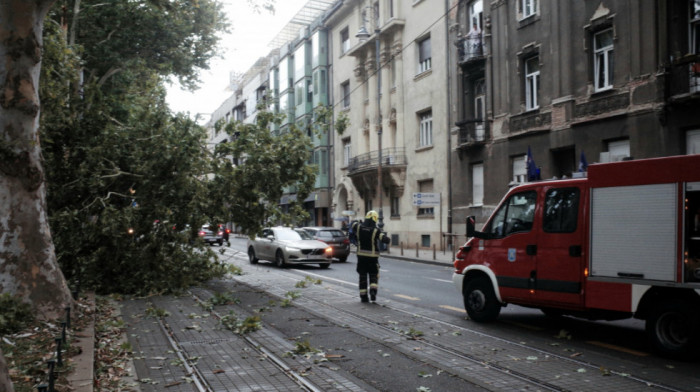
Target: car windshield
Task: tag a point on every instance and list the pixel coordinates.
(287, 235)
(305, 235)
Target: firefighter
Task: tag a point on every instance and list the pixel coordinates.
(368, 237)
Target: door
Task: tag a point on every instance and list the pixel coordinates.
(510, 252)
(560, 253)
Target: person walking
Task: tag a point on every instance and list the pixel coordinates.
(369, 237)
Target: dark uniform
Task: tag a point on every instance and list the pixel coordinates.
(369, 237)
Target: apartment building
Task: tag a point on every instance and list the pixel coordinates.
(392, 88)
(567, 80)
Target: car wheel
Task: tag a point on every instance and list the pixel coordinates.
(480, 300)
(251, 256)
(324, 265)
(672, 329)
(279, 259)
(221, 242)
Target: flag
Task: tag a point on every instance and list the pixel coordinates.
(582, 163)
(533, 173)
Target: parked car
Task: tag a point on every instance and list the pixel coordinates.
(212, 235)
(336, 238)
(283, 246)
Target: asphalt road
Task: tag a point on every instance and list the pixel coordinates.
(429, 286)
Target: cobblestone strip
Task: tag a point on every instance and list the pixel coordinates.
(488, 361)
(152, 352)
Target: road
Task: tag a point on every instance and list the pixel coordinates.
(429, 286)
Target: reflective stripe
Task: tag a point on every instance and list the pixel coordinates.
(373, 285)
(363, 291)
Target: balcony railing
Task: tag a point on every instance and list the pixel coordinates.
(684, 76)
(390, 157)
(470, 48)
(471, 132)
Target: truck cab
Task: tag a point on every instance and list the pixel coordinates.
(621, 242)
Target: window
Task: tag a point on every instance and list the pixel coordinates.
(424, 55)
(345, 90)
(299, 92)
(345, 40)
(478, 185)
(603, 60)
(527, 8)
(514, 216)
(391, 9)
(425, 240)
(347, 152)
(395, 206)
(479, 107)
(619, 150)
(694, 30)
(692, 142)
(532, 82)
(426, 129)
(520, 169)
(368, 205)
(561, 210)
(426, 186)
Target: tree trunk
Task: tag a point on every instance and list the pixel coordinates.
(28, 265)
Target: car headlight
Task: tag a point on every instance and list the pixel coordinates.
(291, 249)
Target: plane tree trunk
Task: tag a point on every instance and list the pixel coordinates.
(28, 266)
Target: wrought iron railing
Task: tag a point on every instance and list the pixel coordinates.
(471, 132)
(390, 157)
(470, 48)
(684, 76)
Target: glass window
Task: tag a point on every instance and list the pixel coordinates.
(424, 55)
(514, 216)
(284, 74)
(345, 90)
(532, 82)
(345, 40)
(347, 152)
(527, 8)
(603, 59)
(561, 210)
(520, 169)
(478, 184)
(426, 129)
(395, 206)
(426, 186)
(692, 142)
(619, 150)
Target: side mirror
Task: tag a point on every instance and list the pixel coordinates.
(471, 229)
(472, 232)
(270, 237)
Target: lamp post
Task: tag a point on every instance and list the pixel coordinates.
(363, 35)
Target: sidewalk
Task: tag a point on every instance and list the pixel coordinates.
(421, 255)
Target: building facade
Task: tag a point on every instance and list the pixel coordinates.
(392, 88)
(571, 82)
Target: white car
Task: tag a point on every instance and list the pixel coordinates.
(283, 246)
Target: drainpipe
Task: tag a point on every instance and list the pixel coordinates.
(449, 125)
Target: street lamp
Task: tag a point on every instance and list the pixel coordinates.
(363, 35)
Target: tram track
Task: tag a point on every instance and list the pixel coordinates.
(451, 352)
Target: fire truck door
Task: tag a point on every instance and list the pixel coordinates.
(560, 254)
(510, 252)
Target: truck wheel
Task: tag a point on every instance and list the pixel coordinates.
(279, 259)
(672, 329)
(251, 256)
(480, 300)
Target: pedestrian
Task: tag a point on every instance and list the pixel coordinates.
(369, 239)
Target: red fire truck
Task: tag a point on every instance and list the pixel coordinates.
(622, 242)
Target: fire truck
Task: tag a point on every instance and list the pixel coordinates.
(622, 241)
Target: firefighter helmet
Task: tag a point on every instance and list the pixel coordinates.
(372, 215)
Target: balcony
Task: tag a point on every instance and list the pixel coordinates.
(470, 49)
(363, 168)
(684, 78)
(472, 133)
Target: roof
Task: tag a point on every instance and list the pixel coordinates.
(306, 15)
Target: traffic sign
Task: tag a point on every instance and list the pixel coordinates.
(423, 199)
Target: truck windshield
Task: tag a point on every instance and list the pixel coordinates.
(514, 216)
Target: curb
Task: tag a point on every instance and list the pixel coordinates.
(82, 377)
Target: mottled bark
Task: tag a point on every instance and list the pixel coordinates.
(28, 265)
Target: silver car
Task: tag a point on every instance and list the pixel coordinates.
(283, 246)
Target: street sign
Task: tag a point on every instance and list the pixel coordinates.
(426, 199)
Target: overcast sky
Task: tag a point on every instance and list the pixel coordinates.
(251, 33)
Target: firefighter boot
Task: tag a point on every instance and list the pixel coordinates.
(373, 295)
(363, 298)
